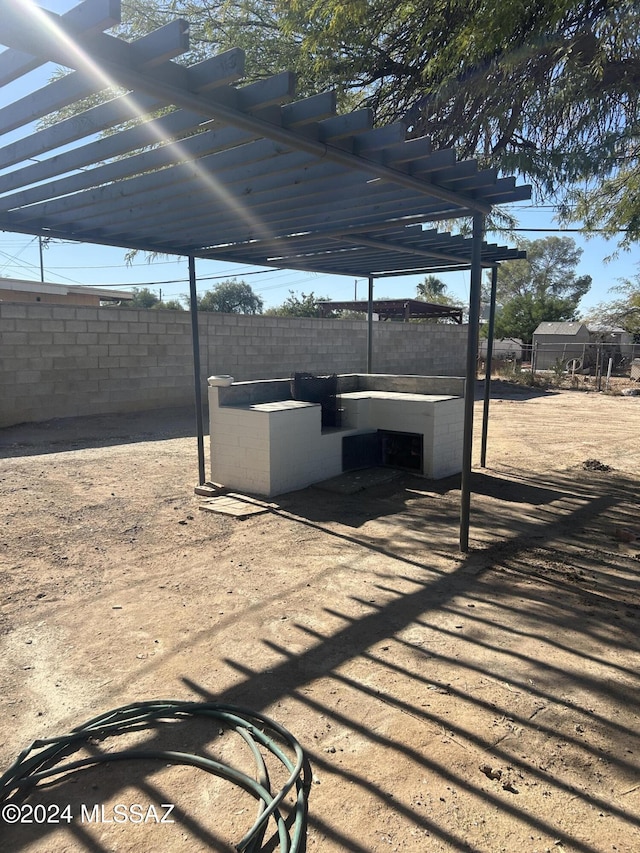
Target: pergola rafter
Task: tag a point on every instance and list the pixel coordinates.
(187, 160)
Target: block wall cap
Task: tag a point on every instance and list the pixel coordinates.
(221, 381)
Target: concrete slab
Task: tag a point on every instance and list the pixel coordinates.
(356, 481)
(236, 505)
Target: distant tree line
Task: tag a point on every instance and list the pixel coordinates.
(544, 287)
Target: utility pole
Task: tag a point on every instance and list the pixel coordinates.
(41, 259)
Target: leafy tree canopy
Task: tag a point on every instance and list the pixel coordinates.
(145, 298)
(305, 305)
(548, 89)
(433, 289)
(231, 297)
(623, 312)
(542, 288)
(171, 304)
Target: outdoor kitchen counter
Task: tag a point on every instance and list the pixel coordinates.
(276, 406)
(272, 447)
(268, 448)
(438, 418)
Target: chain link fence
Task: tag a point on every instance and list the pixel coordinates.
(595, 359)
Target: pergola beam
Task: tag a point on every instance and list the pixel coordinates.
(167, 82)
(87, 18)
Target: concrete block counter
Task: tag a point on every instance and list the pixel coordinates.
(266, 443)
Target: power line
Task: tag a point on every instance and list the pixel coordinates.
(185, 280)
(572, 230)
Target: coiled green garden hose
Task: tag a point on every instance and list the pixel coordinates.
(40, 761)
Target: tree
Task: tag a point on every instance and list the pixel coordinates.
(306, 305)
(170, 304)
(542, 288)
(546, 89)
(623, 312)
(143, 298)
(433, 289)
(231, 297)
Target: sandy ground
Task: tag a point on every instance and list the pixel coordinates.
(446, 702)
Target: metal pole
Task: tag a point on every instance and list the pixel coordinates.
(370, 326)
(469, 387)
(195, 337)
(487, 375)
(41, 259)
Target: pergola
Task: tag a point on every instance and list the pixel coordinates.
(157, 156)
(395, 309)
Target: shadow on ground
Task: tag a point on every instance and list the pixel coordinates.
(477, 703)
(63, 434)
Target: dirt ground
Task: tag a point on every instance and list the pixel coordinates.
(446, 702)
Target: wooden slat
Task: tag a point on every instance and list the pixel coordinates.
(89, 17)
(150, 50)
(343, 126)
(224, 68)
(195, 147)
(308, 110)
(114, 112)
(172, 126)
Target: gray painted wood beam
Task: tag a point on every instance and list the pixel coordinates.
(159, 84)
(378, 138)
(397, 248)
(344, 126)
(118, 144)
(309, 110)
(100, 118)
(250, 157)
(173, 126)
(120, 169)
(241, 230)
(150, 50)
(412, 149)
(222, 69)
(87, 18)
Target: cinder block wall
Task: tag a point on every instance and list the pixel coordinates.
(61, 361)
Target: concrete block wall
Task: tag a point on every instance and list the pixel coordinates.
(60, 361)
(241, 452)
(448, 429)
(254, 347)
(294, 436)
(63, 361)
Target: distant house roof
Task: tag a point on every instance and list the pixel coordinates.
(560, 329)
(604, 328)
(103, 293)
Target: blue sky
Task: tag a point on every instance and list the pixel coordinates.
(68, 262)
(76, 263)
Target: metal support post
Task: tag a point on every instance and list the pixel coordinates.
(487, 374)
(469, 388)
(370, 327)
(195, 338)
